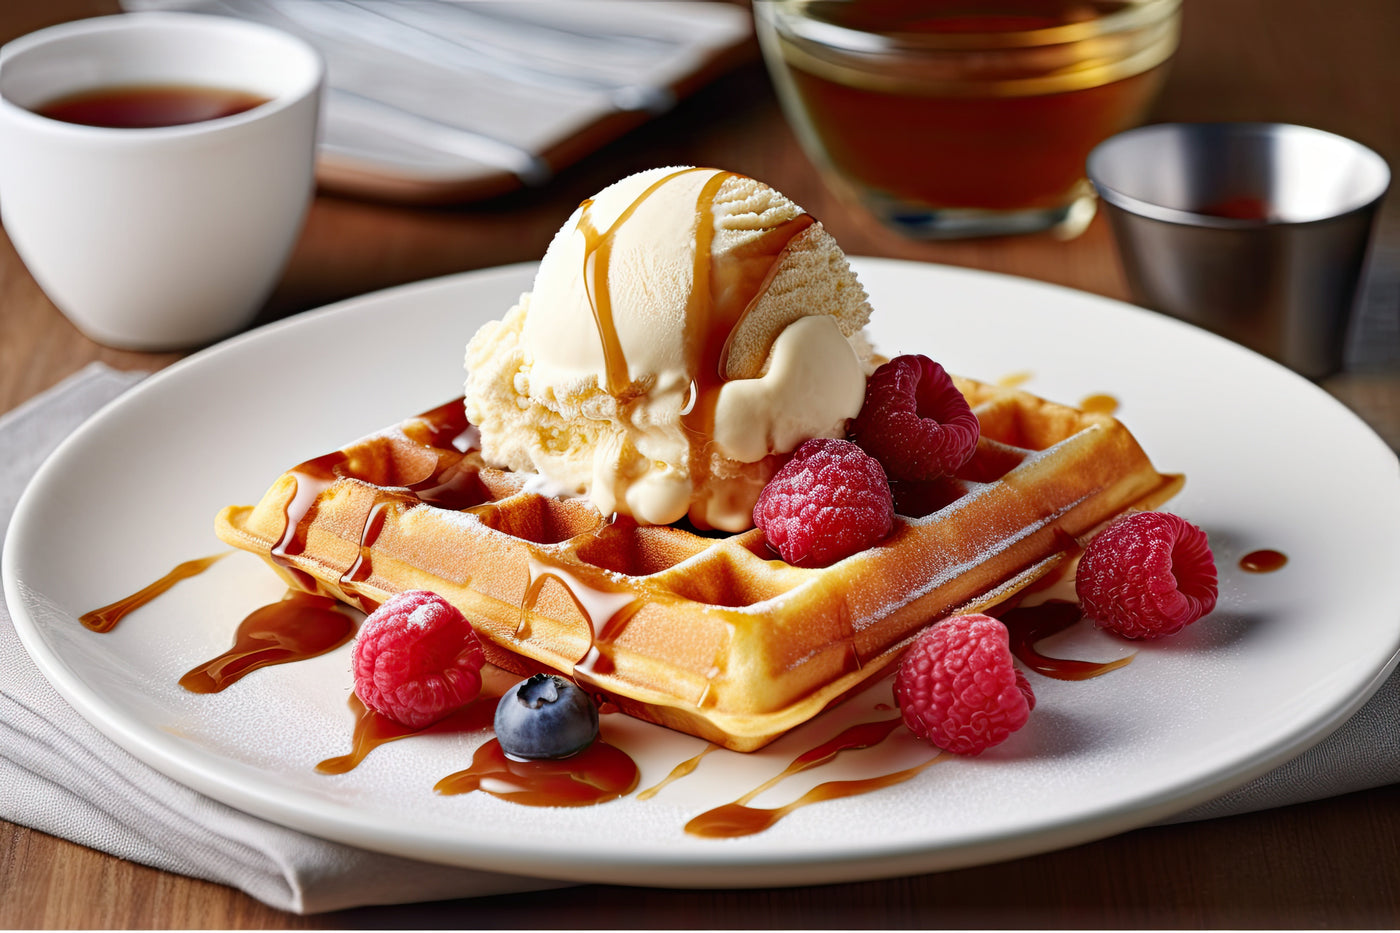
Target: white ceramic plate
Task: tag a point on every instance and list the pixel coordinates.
(1272, 462)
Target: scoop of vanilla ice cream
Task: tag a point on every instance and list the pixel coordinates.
(687, 327)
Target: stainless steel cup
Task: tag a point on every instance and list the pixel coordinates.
(1256, 231)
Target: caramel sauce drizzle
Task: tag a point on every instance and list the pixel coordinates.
(766, 256)
(311, 479)
(681, 770)
(606, 608)
(447, 426)
(593, 602)
(363, 566)
(599, 773)
(453, 483)
(1264, 560)
(599, 661)
(1099, 404)
(722, 296)
(734, 820)
(303, 625)
(1028, 625)
(106, 618)
(306, 623)
(597, 262)
(374, 729)
(737, 818)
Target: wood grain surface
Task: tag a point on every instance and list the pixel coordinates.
(1331, 863)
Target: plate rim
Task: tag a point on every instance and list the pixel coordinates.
(817, 867)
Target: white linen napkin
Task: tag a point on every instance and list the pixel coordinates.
(443, 100)
(60, 775)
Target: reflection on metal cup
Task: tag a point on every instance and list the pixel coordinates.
(953, 119)
(1256, 231)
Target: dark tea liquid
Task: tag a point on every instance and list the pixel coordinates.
(149, 105)
(1010, 140)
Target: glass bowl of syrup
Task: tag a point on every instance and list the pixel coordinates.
(956, 118)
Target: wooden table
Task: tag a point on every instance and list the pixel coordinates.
(1330, 863)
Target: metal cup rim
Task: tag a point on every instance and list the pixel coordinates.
(1118, 198)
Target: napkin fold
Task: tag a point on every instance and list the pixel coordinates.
(61, 776)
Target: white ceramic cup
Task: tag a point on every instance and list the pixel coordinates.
(165, 237)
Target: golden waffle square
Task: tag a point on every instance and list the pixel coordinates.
(708, 634)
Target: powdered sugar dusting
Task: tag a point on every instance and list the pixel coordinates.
(421, 616)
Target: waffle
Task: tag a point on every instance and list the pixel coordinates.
(710, 635)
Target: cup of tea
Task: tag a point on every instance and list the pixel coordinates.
(156, 168)
(1256, 231)
(952, 119)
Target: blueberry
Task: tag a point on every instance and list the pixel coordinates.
(545, 716)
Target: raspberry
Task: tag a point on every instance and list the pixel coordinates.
(958, 688)
(828, 502)
(416, 659)
(915, 421)
(1147, 575)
